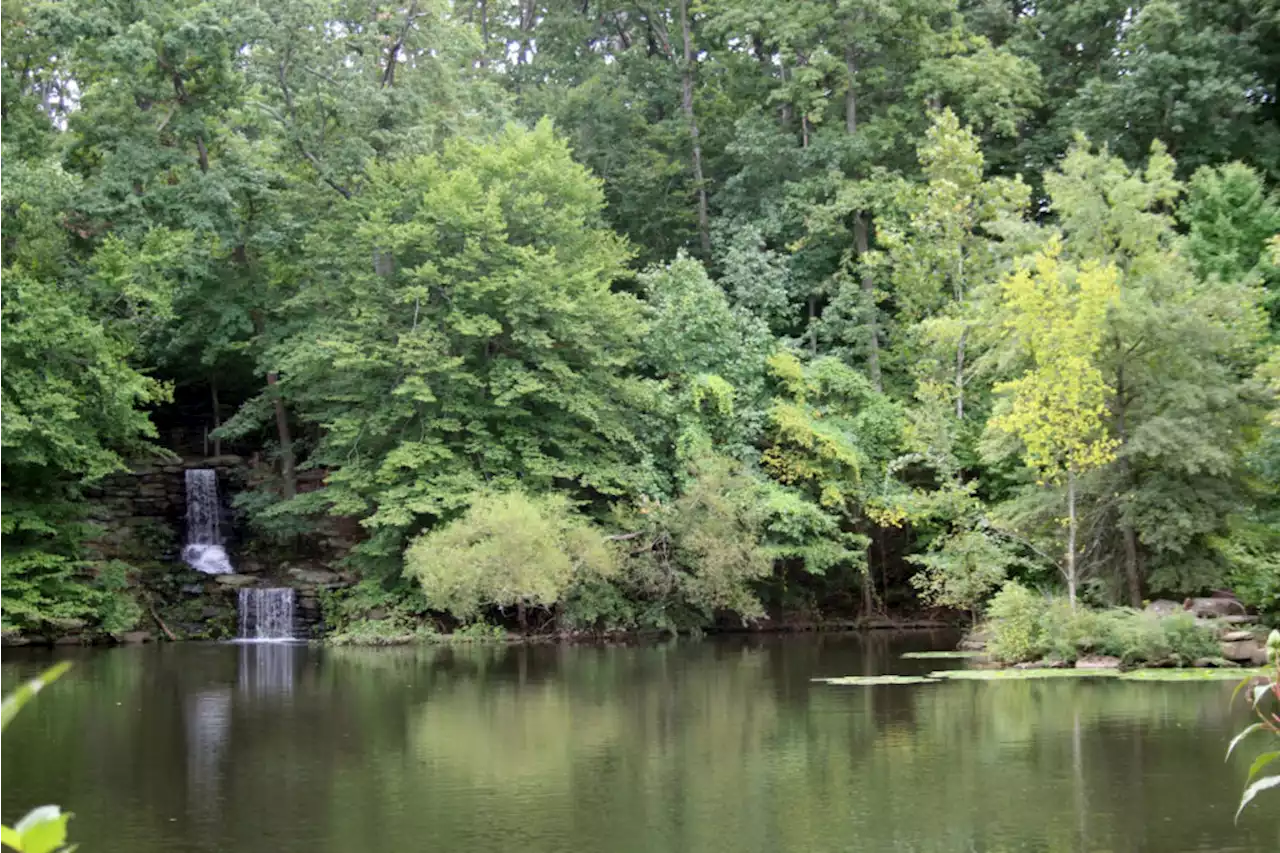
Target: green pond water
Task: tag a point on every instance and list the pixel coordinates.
(720, 745)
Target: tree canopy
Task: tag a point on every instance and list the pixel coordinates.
(736, 310)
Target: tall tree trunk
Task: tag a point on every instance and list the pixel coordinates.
(851, 96)
(686, 103)
(786, 113)
(287, 476)
(217, 414)
(869, 295)
(960, 375)
(1071, 538)
(860, 225)
(813, 326)
(1132, 572)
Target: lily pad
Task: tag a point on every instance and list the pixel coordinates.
(876, 680)
(1020, 674)
(956, 655)
(1199, 674)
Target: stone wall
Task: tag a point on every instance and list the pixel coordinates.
(142, 514)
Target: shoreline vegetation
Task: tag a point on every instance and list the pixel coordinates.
(604, 317)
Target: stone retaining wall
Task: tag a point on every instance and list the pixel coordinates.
(142, 514)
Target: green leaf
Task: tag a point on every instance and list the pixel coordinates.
(1262, 761)
(24, 694)
(1255, 789)
(43, 830)
(1236, 740)
(10, 838)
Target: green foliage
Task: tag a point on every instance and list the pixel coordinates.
(1263, 694)
(509, 549)
(962, 569)
(751, 277)
(1014, 618)
(43, 829)
(1026, 626)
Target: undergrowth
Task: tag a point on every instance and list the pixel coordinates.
(1026, 626)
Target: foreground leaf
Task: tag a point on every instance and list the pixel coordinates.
(1235, 741)
(1255, 789)
(13, 702)
(43, 830)
(1260, 762)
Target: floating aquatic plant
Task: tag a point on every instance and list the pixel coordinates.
(876, 680)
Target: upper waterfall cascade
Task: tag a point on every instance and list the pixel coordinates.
(205, 550)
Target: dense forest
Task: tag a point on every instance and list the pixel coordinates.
(631, 315)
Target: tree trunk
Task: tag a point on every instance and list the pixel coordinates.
(868, 293)
(960, 376)
(1132, 573)
(860, 225)
(851, 96)
(813, 326)
(217, 415)
(287, 476)
(686, 102)
(1071, 538)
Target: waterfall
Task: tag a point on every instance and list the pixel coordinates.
(204, 550)
(266, 614)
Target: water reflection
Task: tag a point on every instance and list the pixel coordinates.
(267, 669)
(688, 747)
(208, 727)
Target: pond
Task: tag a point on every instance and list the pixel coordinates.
(719, 745)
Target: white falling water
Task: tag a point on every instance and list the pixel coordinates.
(266, 614)
(204, 550)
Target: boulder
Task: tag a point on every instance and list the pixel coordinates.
(1210, 663)
(1211, 607)
(133, 638)
(319, 577)
(1238, 636)
(1098, 662)
(236, 581)
(1244, 650)
(1163, 607)
(975, 641)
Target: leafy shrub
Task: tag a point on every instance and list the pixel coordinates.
(118, 610)
(1025, 626)
(960, 569)
(508, 549)
(1015, 622)
(478, 632)
(381, 632)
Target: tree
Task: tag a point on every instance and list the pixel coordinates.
(1056, 407)
(830, 437)
(484, 346)
(74, 408)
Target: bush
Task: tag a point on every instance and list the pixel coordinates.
(1025, 626)
(509, 549)
(1015, 622)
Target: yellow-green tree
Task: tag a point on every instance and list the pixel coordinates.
(1056, 311)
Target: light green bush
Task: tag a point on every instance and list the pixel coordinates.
(509, 549)
(1015, 621)
(1025, 626)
